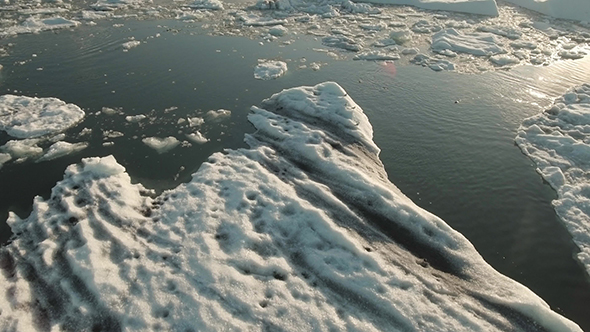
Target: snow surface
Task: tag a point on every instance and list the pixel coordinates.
(269, 69)
(302, 231)
(567, 9)
(26, 117)
(558, 140)
(161, 145)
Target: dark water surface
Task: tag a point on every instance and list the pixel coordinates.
(446, 138)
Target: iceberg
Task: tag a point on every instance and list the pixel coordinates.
(578, 10)
(300, 231)
(28, 117)
(558, 141)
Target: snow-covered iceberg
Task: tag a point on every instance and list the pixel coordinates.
(302, 231)
(26, 117)
(558, 140)
(567, 9)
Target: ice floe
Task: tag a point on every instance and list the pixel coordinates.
(26, 117)
(269, 69)
(36, 25)
(130, 44)
(207, 4)
(558, 140)
(301, 231)
(161, 145)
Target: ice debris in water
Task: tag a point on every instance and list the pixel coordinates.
(558, 140)
(197, 137)
(161, 145)
(130, 44)
(269, 69)
(207, 4)
(301, 231)
(471, 43)
(60, 149)
(26, 117)
(35, 25)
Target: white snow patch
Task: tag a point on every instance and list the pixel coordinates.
(25, 117)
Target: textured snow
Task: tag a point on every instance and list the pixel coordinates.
(161, 145)
(25, 117)
(566, 9)
(302, 231)
(558, 140)
(269, 69)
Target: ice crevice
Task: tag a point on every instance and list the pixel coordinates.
(300, 231)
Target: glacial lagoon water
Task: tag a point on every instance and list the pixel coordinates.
(446, 138)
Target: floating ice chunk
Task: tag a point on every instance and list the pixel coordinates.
(358, 8)
(110, 5)
(207, 4)
(342, 42)
(410, 51)
(567, 9)
(425, 26)
(504, 59)
(558, 141)
(401, 36)
(255, 20)
(269, 69)
(300, 232)
(4, 157)
(278, 31)
(376, 55)
(432, 63)
(24, 117)
(384, 42)
(161, 145)
(524, 44)
(217, 114)
(507, 32)
(197, 137)
(195, 121)
(35, 25)
(131, 44)
(22, 149)
(135, 118)
(480, 7)
(61, 149)
(572, 55)
(472, 43)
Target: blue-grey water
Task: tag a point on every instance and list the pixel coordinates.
(446, 138)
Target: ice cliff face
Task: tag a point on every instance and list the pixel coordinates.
(302, 231)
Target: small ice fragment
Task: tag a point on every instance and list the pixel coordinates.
(61, 149)
(135, 118)
(197, 138)
(269, 69)
(161, 145)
